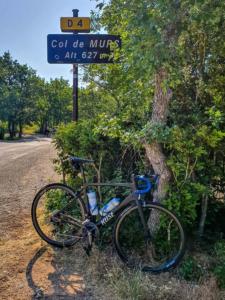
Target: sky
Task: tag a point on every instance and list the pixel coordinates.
(25, 24)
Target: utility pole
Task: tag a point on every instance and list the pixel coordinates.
(75, 81)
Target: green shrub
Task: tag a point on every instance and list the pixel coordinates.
(190, 269)
(2, 130)
(219, 270)
(78, 139)
(30, 129)
(113, 159)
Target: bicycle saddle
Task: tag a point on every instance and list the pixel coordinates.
(79, 160)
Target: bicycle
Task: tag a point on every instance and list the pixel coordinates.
(146, 235)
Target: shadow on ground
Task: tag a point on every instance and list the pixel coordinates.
(51, 274)
(27, 139)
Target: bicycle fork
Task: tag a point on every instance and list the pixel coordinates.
(147, 234)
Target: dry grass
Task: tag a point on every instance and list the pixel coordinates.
(115, 281)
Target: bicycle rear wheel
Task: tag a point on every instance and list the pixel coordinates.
(57, 215)
(163, 246)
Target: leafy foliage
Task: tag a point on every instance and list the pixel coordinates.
(25, 98)
(112, 158)
(219, 270)
(190, 269)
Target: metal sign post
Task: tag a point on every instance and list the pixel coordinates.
(80, 48)
(75, 93)
(75, 82)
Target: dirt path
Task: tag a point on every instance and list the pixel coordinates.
(28, 268)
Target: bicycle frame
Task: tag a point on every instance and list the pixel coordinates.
(132, 198)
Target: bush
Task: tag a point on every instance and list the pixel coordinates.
(190, 269)
(78, 139)
(219, 270)
(30, 129)
(2, 130)
(112, 158)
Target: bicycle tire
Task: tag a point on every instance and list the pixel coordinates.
(53, 196)
(131, 245)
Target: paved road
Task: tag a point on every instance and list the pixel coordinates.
(25, 166)
(22, 172)
(12, 150)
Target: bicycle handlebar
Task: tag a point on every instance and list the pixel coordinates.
(147, 185)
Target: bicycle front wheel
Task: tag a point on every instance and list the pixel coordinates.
(57, 215)
(158, 249)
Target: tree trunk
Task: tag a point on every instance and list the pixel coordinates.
(20, 130)
(43, 126)
(158, 161)
(154, 150)
(204, 207)
(11, 128)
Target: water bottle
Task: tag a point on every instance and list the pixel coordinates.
(92, 202)
(109, 206)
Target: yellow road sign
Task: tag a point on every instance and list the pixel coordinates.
(68, 24)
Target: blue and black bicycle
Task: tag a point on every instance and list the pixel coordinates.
(146, 235)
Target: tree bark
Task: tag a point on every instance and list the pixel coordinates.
(203, 215)
(14, 128)
(11, 129)
(20, 130)
(43, 126)
(154, 151)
